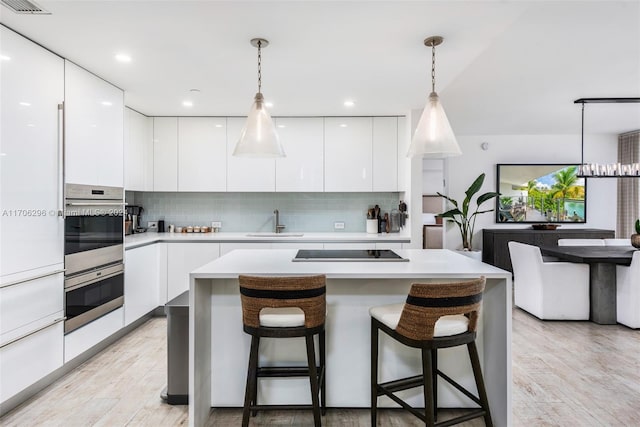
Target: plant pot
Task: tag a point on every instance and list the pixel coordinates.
(477, 255)
(635, 240)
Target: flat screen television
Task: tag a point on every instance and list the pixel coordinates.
(539, 193)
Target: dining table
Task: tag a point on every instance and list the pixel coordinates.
(602, 261)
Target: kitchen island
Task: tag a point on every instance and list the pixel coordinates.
(219, 349)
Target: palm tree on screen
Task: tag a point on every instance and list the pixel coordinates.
(565, 186)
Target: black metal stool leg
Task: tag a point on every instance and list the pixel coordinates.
(374, 374)
(323, 370)
(477, 373)
(434, 373)
(427, 373)
(252, 379)
(313, 379)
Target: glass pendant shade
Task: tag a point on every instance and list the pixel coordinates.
(434, 137)
(258, 137)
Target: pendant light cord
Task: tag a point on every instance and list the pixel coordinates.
(433, 67)
(259, 67)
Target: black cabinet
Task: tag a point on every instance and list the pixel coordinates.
(495, 242)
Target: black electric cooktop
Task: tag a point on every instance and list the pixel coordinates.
(332, 255)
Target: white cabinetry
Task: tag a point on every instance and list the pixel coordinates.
(182, 259)
(303, 143)
(202, 154)
(141, 282)
(247, 174)
(84, 338)
(371, 245)
(348, 144)
(31, 232)
(32, 87)
(29, 359)
(225, 248)
(165, 154)
(138, 151)
(385, 154)
(94, 129)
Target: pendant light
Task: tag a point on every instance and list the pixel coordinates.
(433, 137)
(258, 137)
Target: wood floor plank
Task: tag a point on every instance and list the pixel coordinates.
(565, 374)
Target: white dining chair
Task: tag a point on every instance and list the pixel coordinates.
(628, 293)
(549, 290)
(617, 242)
(580, 242)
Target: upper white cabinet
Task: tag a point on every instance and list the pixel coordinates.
(202, 154)
(404, 162)
(94, 129)
(385, 154)
(348, 144)
(246, 174)
(165, 154)
(138, 151)
(32, 87)
(303, 143)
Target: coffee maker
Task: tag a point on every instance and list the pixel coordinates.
(133, 219)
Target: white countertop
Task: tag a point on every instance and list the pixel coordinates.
(432, 263)
(142, 239)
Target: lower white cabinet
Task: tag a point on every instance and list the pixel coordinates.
(371, 245)
(84, 338)
(27, 360)
(291, 245)
(26, 306)
(141, 282)
(182, 259)
(225, 248)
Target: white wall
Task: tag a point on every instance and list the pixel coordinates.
(461, 171)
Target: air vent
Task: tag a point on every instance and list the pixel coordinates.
(25, 6)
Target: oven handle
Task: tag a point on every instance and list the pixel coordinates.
(18, 338)
(94, 280)
(96, 204)
(40, 276)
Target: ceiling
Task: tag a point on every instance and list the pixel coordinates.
(506, 67)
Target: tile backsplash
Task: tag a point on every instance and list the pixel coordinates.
(253, 212)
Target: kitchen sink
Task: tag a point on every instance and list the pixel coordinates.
(275, 234)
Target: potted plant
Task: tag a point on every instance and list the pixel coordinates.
(635, 238)
(463, 215)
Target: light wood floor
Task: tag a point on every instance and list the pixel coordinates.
(565, 374)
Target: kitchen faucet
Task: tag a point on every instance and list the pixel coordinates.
(279, 227)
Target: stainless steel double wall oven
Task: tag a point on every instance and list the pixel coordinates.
(93, 252)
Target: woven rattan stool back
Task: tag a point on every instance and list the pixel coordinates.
(305, 292)
(427, 302)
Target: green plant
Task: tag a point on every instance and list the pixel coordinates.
(462, 215)
(638, 226)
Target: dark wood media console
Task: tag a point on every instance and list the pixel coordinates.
(495, 248)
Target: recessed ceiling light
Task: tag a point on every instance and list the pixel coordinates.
(5, 58)
(31, 125)
(282, 126)
(25, 104)
(268, 104)
(219, 126)
(343, 125)
(349, 103)
(107, 103)
(123, 57)
(187, 103)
